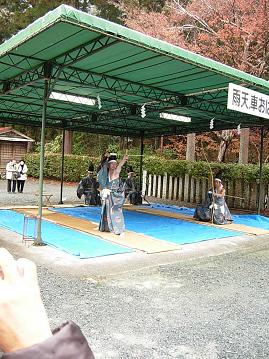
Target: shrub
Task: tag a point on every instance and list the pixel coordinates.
(76, 167)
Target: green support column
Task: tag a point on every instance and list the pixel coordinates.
(141, 160)
(41, 163)
(62, 168)
(259, 199)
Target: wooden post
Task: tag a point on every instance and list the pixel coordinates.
(244, 144)
(175, 194)
(164, 191)
(192, 190)
(154, 185)
(68, 142)
(144, 183)
(204, 189)
(228, 187)
(29, 146)
(233, 193)
(161, 144)
(198, 191)
(186, 187)
(170, 189)
(150, 185)
(253, 196)
(190, 152)
(180, 188)
(159, 186)
(238, 193)
(246, 195)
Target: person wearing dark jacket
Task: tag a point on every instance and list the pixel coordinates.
(21, 175)
(88, 187)
(131, 191)
(24, 325)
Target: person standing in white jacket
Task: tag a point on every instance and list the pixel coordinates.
(11, 171)
(21, 175)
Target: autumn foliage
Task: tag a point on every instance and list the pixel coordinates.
(234, 32)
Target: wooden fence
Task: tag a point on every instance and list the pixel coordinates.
(192, 191)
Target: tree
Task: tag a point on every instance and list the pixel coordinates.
(254, 140)
(234, 32)
(17, 14)
(226, 137)
(8, 12)
(177, 144)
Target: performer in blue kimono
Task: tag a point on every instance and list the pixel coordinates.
(112, 194)
(214, 207)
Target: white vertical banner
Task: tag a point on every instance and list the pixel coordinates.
(248, 101)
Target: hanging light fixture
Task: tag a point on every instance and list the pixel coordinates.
(72, 98)
(173, 117)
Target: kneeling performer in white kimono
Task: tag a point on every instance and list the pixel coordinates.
(214, 208)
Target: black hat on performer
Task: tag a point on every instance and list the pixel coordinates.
(130, 170)
(91, 168)
(112, 157)
(218, 177)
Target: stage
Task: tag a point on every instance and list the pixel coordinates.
(149, 229)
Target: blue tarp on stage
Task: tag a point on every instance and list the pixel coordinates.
(71, 241)
(174, 209)
(252, 220)
(163, 228)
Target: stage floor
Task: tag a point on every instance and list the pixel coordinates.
(173, 230)
(149, 229)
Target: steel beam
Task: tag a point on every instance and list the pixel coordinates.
(26, 78)
(81, 52)
(120, 86)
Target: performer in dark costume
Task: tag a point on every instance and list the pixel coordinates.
(214, 206)
(131, 192)
(88, 187)
(112, 194)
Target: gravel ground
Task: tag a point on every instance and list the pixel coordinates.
(214, 307)
(207, 308)
(31, 187)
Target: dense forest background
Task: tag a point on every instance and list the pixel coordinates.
(234, 32)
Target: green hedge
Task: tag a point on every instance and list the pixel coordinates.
(76, 167)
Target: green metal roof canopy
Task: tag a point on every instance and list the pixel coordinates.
(83, 55)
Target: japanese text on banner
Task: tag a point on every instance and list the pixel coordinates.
(248, 101)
